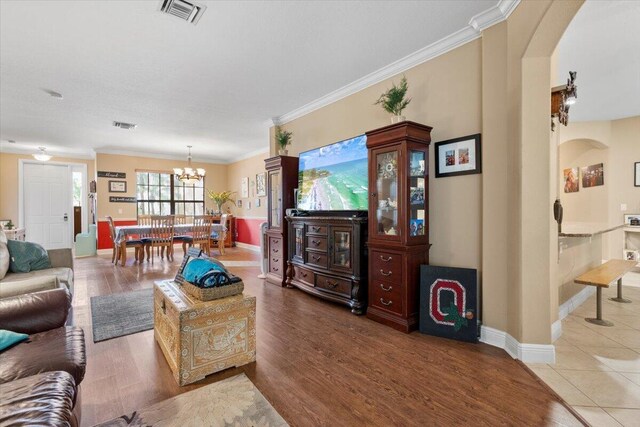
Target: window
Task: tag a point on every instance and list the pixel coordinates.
(77, 188)
(163, 194)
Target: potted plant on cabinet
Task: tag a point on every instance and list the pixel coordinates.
(221, 198)
(393, 101)
(283, 139)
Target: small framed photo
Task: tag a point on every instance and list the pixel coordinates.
(239, 203)
(632, 220)
(244, 187)
(257, 203)
(631, 255)
(636, 176)
(261, 184)
(117, 186)
(459, 156)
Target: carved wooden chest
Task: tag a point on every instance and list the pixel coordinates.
(199, 338)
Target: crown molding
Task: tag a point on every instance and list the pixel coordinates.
(250, 154)
(472, 31)
(4, 149)
(131, 153)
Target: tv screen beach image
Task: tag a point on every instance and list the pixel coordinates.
(334, 177)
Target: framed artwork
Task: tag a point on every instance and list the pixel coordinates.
(592, 176)
(459, 156)
(117, 186)
(257, 203)
(632, 220)
(245, 187)
(636, 175)
(261, 184)
(449, 302)
(631, 255)
(571, 181)
(239, 203)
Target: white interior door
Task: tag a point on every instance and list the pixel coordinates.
(47, 202)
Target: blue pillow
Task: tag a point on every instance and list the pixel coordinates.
(27, 256)
(8, 338)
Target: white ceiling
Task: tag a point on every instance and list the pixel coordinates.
(213, 85)
(602, 44)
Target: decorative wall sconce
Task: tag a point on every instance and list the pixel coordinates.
(562, 97)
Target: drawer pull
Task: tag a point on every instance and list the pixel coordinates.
(386, 259)
(275, 259)
(274, 250)
(315, 257)
(387, 303)
(387, 273)
(332, 285)
(386, 289)
(275, 268)
(164, 308)
(303, 274)
(315, 228)
(316, 242)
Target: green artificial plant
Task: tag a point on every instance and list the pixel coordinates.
(221, 198)
(283, 137)
(393, 101)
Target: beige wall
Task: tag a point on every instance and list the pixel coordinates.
(446, 94)
(215, 179)
(9, 181)
(247, 168)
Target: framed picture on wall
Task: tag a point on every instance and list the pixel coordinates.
(117, 186)
(245, 187)
(459, 156)
(631, 255)
(632, 220)
(261, 184)
(636, 176)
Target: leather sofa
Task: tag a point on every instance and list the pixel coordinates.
(59, 275)
(40, 377)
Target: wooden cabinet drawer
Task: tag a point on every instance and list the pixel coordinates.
(317, 259)
(339, 286)
(316, 229)
(386, 296)
(317, 243)
(275, 246)
(386, 266)
(276, 265)
(303, 275)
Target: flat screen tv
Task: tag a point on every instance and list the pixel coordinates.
(334, 177)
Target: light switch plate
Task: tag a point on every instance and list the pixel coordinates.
(623, 207)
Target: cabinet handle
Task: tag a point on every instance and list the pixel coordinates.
(386, 289)
(315, 257)
(387, 303)
(385, 274)
(315, 228)
(275, 269)
(316, 242)
(332, 285)
(275, 251)
(275, 259)
(386, 259)
(303, 274)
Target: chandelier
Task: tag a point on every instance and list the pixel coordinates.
(189, 175)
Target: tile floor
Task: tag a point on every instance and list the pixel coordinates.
(597, 369)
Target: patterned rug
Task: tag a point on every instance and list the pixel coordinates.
(234, 402)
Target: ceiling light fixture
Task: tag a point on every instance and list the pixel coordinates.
(123, 125)
(562, 97)
(53, 93)
(11, 141)
(188, 175)
(42, 155)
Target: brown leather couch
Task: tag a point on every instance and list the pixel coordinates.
(40, 377)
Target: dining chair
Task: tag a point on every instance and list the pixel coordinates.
(118, 252)
(160, 236)
(180, 219)
(200, 234)
(220, 237)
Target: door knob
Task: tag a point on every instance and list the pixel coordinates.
(66, 217)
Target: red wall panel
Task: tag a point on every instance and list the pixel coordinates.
(104, 236)
(248, 230)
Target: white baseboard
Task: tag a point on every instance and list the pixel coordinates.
(556, 330)
(529, 353)
(254, 248)
(575, 301)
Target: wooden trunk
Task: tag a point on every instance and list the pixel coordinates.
(199, 338)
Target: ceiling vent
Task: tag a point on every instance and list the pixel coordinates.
(123, 125)
(185, 10)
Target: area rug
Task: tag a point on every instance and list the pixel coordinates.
(232, 402)
(121, 314)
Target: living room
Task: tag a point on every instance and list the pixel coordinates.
(144, 113)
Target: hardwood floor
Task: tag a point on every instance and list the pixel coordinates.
(316, 363)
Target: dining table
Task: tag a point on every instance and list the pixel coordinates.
(126, 232)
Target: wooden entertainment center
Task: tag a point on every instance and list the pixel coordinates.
(327, 258)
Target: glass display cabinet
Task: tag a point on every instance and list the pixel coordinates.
(282, 180)
(398, 221)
